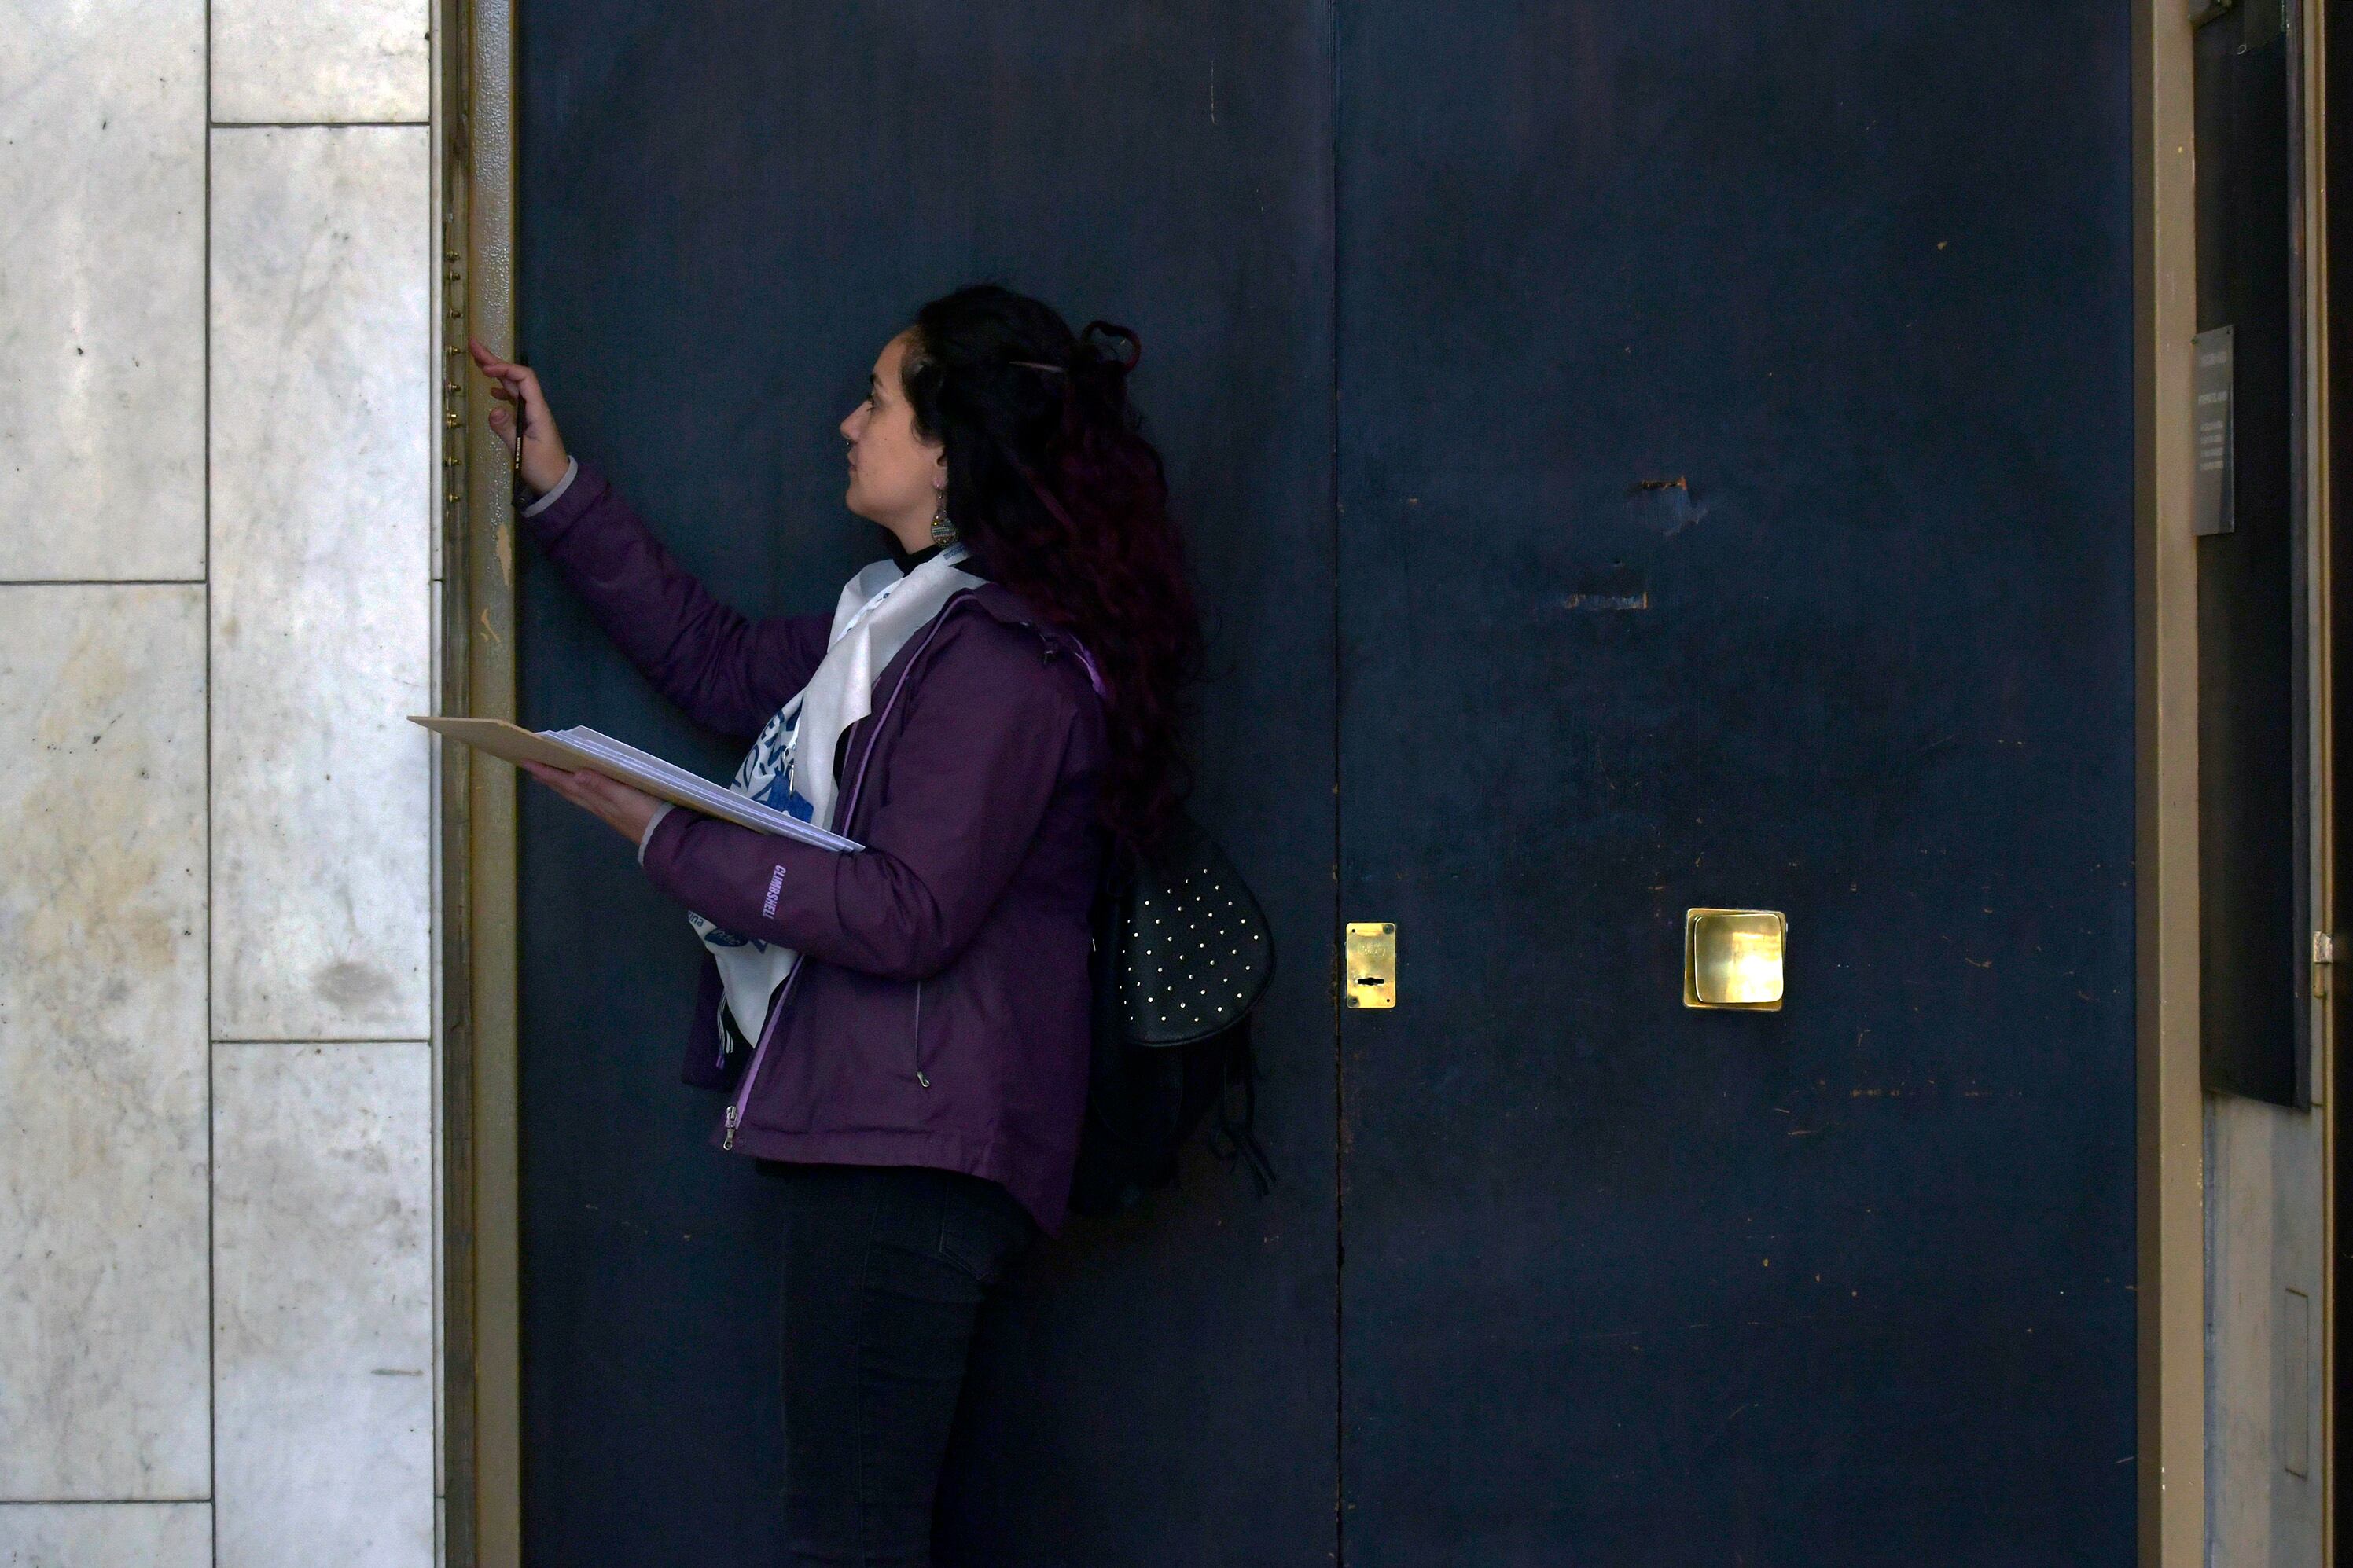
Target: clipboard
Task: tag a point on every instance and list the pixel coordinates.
(581, 748)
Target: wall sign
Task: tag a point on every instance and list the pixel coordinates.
(2209, 511)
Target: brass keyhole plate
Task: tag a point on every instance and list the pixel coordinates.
(1371, 965)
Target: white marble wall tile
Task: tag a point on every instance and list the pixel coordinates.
(106, 1535)
(322, 506)
(101, 289)
(279, 60)
(103, 1387)
(323, 1284)
(2265, 1178)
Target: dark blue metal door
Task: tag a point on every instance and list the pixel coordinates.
(1638, 459)
(726, 210)
(1736, 439)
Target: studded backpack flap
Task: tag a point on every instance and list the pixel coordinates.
(1182, 954)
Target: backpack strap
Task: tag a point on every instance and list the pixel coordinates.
(1235, 1137)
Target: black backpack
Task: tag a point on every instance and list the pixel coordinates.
(1182, 954)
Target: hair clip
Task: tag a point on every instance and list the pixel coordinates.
(1113, 332)
(1034, 364)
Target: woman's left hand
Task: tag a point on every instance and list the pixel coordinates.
(625, 810)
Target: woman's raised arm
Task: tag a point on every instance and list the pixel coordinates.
(724, 669)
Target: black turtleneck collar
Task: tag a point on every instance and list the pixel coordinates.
(907, 561)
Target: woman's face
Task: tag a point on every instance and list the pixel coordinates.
(895, 476)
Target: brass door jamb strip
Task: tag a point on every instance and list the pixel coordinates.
(481, 1425)
(2324, 559)
(2169, 1461)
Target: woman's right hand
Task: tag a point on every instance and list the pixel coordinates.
(515, 386)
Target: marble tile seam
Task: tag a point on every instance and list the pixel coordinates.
(343, 1041)
(318, 124)
(211, 1544)
(102, 1502)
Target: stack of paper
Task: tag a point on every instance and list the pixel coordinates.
(581, 747)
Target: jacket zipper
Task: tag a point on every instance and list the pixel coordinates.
(920, 1081)
(848, 814)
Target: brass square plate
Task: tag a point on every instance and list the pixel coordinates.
(1733, 959)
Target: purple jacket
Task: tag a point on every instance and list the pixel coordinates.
(939, 1015)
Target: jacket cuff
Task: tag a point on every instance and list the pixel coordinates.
(554, 494)
(656, 847)
(582, 488)
(664, 809)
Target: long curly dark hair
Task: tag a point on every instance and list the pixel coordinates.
(1053, 486)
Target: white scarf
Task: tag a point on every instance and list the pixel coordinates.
(790, 766)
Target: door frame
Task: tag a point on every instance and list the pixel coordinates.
(2328, 355)
(2170, 1113)
(481, 1375)
(481, 1462)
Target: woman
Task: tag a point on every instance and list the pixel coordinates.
(903, 1030)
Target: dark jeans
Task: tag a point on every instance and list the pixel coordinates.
(885, 1272)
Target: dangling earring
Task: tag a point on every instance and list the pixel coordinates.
(942, 531)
